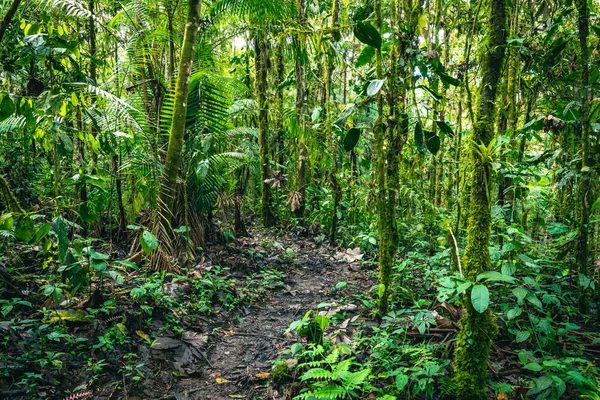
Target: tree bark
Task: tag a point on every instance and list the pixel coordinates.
(177, 131)
(12, 10)
(478, 329)
(260, 87)
(584, 184)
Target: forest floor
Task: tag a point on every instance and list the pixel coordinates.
(235, 360)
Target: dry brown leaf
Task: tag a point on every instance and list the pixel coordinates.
(263, 375)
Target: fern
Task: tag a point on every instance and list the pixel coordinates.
(329, 392)
(318, 373)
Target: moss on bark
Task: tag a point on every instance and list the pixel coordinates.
(177, 131)
(478, 329)
(260, 86)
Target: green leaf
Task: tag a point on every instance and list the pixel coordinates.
(366, 33)
(480, 298)
(351, 139)
(447, 79)
(535, 367)
(63, 240)
(374, 87)
(7, 107)
(522, 336)
(494, 276)
(509, 269)
(419, 138)
(148, 242)
(341, 119)
(520, 293)
(322, 320)
(341, 285)
(434, 95)
(542, 383)
(365, 57)
(558, 228)
(98, 265)
(401, 381)
(445, 128)
(42, 231)
(127, 263)
(24, 230)
(433, 142)
(463, 288)
(514, 313)
(595, 205)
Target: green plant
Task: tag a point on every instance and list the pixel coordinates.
(333, 377)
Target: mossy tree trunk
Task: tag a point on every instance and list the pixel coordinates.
(331, 134)
(10, 13)
(300, 73)
(474, 341)
(177, 131)
(584, 184)
(260, 87)
(385, 222)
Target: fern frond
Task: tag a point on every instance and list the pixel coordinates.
(318, 373)
(356, 379)
(329, 392)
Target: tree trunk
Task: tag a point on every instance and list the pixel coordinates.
(584, 184)
(260, 87)
(331, 135)
(177, 131)
(474, 340)
(8, 17)
(301, 116)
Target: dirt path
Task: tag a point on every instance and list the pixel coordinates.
(238, 355)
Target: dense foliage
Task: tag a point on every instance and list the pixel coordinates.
(455, 143)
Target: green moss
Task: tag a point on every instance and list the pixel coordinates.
(281, 370)
(474, 341)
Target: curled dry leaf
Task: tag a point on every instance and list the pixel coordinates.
(350, 255)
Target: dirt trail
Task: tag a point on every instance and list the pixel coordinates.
(241, 352)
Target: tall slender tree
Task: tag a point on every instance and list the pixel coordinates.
(178, 122)
(474, 342)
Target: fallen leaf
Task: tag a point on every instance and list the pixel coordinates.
(66, 315)
(263, 375)
(194, 339)
(221, 380)
(350, 255)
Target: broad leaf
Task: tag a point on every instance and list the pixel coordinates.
(433, 142)
(419, 138)
(444, 127)
(24, 230)
(374, 87)
(480, 298)
(494, 276)
(148, 242)
(351, 139)
(366, 33)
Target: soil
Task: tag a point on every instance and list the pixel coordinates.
(236, 360)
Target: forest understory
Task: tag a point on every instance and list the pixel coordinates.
(300, 199)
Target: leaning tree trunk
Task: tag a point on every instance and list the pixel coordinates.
(584, 184)
(8, 17)
(260, 86)
(474, 341)
(177, 131)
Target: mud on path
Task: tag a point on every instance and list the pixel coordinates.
(234, 364)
